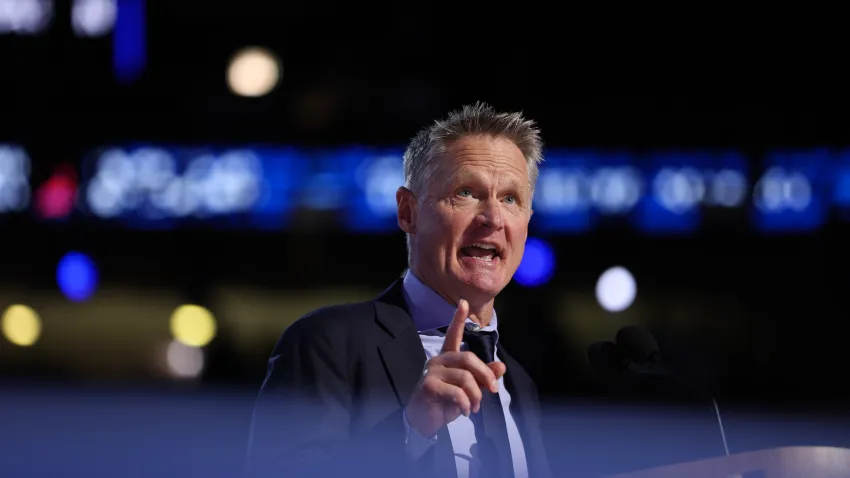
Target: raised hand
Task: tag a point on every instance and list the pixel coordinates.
(453, 382)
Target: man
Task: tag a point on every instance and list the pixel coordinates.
(415, 383)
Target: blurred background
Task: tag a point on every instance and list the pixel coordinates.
(179, 181)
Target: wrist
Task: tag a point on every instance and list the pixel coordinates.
(414, 426)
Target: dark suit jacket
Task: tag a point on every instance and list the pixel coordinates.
(335, 390)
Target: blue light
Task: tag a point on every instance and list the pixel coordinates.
(538, 264)
(841, 194)
(369, 178)
(128, 40)
(76, 276)
(791, 195)
(577, 188)
(673, 203)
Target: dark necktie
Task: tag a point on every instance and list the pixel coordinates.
(491, 432)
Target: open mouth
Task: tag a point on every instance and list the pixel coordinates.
(481, 252)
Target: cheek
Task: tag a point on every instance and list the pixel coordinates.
(452, 222)
(518, 236)
(442, 226)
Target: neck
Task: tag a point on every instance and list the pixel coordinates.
(480, 310)
(481, 314)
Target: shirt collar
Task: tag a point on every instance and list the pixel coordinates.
(430, 311)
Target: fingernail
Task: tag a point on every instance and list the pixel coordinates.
(494, 386)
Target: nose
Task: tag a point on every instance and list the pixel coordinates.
(491, 215)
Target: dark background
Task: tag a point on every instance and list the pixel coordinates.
(754, 318)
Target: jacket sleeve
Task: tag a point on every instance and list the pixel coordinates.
(302, 422)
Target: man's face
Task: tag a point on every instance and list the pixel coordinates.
(469, 227)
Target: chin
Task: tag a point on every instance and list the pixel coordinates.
(485, 287)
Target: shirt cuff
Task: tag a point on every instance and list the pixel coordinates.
(414, 443)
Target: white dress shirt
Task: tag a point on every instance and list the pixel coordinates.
(430, 312)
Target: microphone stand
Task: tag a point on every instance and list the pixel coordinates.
(659, 370)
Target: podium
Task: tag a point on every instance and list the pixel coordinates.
(787, 462)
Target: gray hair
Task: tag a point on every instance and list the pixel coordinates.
(430, 144)
(426, 148)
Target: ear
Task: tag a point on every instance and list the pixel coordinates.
(406, 210)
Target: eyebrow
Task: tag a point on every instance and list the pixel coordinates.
(517, 186)
(511, 183)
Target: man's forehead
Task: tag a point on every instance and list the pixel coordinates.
(501, 175)
(459, 171)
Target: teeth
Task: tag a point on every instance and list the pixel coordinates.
(485, 259)
(484, 246)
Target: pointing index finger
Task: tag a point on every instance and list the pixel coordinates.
(454, 335)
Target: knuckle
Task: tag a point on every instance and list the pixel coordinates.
(461, 396)
(434, 365)
(478, 394)
(430, 383)
(470, 360)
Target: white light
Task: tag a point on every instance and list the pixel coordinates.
(797, 192)
(380, 178)
(562, 190)
(769, 190)
(93, 18)
(171, 198)
(26, 17)
(234, 182)
(117, 166)
(728, 188)
(616, 289)
(226, 184)
(184, 361)
(154, 168)
(678, 190)
(616, 190)
(14, 178)
(148, 182)
(104, 197)
(253, 72)
(779, 190)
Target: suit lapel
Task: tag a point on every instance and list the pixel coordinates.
(404, 360)
(517, 386)
(399, 354)
(513, 381)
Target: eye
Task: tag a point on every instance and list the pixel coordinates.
(510, 199)
(465, 193)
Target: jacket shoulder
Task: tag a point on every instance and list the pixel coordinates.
(330, 327)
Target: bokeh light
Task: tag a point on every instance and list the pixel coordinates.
(538, 263)
(616, 289)
(77, 276)
(184, 361)
(21, 325)
(93, 18)
(253, 72)
(193, 325)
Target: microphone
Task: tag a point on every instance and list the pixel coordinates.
(635, 354)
